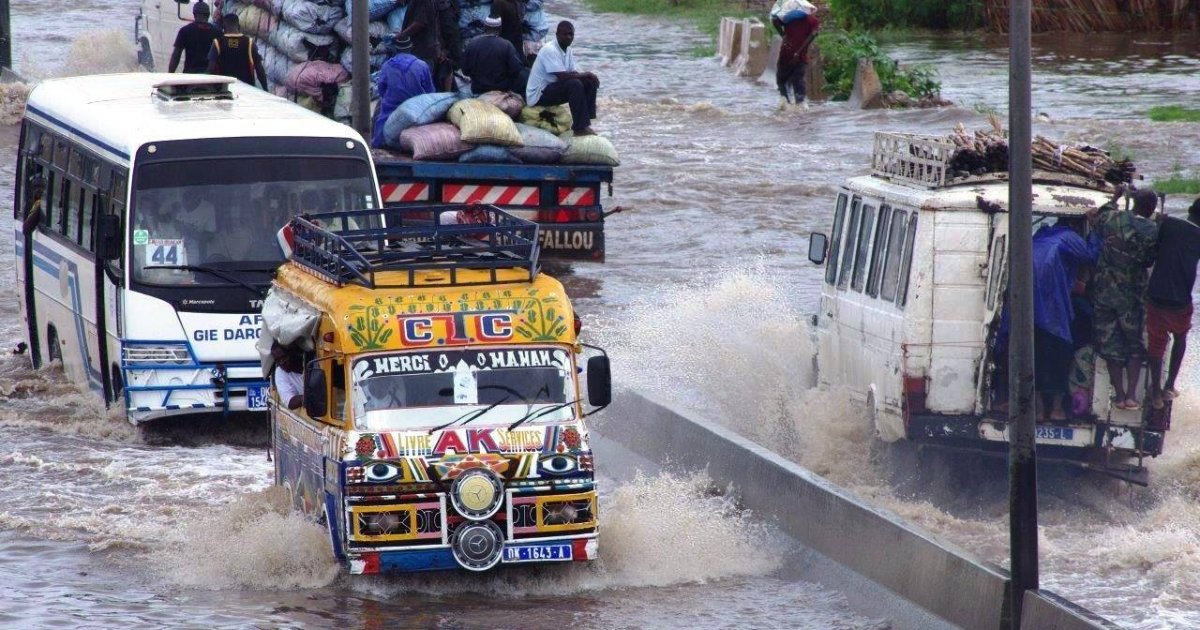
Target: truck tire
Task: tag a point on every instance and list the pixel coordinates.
(53, 349)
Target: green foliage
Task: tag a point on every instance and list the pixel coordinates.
(1119, 152)
(840, 52)
(1178, 185)
(1174, 113)
(937, 14)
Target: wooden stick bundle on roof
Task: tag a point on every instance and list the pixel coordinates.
(986, 151)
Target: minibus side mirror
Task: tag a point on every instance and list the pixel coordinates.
(599, 381)
(316, 403)
(818, 244)
(108, 237)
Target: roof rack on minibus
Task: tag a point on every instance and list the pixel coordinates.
(351, 247)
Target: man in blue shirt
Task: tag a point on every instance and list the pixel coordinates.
(555, 79)
(1058, 252)
(401, 78)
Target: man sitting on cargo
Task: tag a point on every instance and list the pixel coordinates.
(492, 63)
(1119, 287)
(1058, 251)
(401, 78)
(289, 379)
(555, 79)
(1169, 298)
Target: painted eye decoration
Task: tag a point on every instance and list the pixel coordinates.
(559, 464)
(381, 471)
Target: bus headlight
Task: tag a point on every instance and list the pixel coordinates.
(477, 494)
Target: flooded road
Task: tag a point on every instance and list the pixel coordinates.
(99, 528)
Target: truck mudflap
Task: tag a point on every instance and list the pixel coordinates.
(1111, 449)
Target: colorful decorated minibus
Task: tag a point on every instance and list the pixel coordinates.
(439, 421)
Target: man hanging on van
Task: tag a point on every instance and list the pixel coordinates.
(1119, 287)
(236, 55)
(1169, 298)
(194, 41)
(1058, 251)
(289, 380)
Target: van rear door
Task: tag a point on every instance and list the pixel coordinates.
(994, 296)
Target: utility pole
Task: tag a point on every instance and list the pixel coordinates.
(361, 77)
(5, 34)
(1022, 453)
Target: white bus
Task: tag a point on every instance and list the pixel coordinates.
(156, 240)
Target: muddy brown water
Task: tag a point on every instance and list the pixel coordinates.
(703, 299)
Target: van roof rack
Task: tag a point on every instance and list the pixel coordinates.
(911, 158)
(194, 88)
(351, 247)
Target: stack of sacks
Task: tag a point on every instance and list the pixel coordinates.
(312, 17)
(482, 129)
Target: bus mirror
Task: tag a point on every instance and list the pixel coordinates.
(818, 243)
(599, 381)
(108, 237)
(315, 392)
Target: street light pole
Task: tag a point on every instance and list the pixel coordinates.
(1022, 457)
(361, 76)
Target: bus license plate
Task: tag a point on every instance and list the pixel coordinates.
(537, 553)
(1055, 433)
(256, 397)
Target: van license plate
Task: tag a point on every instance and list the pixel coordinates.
(256, 397)
(1055, 433)
(537, 553)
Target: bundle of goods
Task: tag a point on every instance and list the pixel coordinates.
(788, 11)
(445, 126)
(986, 151)
(312, 17)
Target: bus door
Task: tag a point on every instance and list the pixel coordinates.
(29, 170)
(109, 284)
(992, 365)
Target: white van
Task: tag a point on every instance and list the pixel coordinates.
(155, 27)
(916, 270)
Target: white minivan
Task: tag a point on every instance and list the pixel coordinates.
(916, 270)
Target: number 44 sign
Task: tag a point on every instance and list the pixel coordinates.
(165, 251)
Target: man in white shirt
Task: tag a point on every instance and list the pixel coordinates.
(289, 379)
(555, 79)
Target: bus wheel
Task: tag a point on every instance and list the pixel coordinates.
(53, 349)
(118, 384)
(145, 56)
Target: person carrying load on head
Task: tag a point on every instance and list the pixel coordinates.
(555, 79)
(1169, 298)
(193, 42)
(797, 23)
(234, 54)
(1119, 289)
(492, 63)
(1058, 252)
(401, 78)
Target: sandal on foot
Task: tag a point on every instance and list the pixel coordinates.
(1170, 394)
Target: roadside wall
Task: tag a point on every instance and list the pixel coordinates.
(939, 577)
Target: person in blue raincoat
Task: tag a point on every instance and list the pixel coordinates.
(401, 78)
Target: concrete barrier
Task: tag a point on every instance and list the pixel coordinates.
(1046, 611)
(937, 576)
(755, 50)
(729, 40)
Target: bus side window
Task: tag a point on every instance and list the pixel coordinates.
(851, 241)
(52, 214)
(839, 217)
(86, 220)
(879, 250)
(906, 266)
(864, 248)
(891, 266)
(71, 209)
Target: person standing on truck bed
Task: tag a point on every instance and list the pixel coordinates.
(401, 78)
(555, 79)
(1119, 288)
(451, 43)
(511, 14)
(193, 42)
(1058, 252)
(1169, 298)
(492, 63)
(421, 26)
(236, 55)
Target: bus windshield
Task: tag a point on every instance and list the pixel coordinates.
(223, 214)
(447, 388)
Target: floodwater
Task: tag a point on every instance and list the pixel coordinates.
(703, 299)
